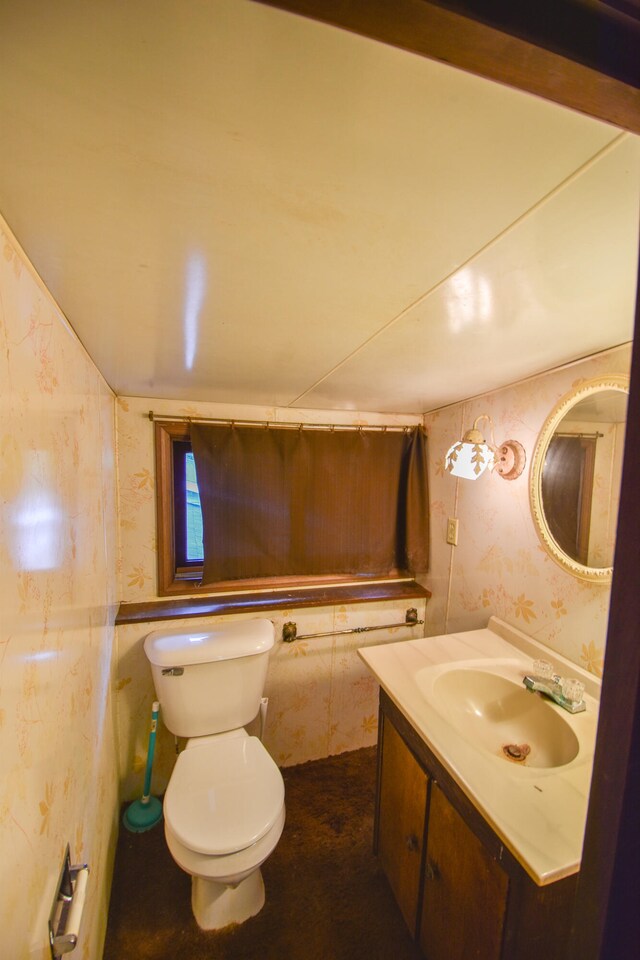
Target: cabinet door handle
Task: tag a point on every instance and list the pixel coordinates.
(412, 843)
(431, 870)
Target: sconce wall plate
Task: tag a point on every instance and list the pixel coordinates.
(510, 459)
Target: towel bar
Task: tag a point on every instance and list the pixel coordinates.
(290, 630)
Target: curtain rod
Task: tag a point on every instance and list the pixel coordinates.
(580, 436)
(230, 421)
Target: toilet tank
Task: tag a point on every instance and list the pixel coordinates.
(209, 680)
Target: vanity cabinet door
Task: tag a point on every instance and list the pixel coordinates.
(402, 805)
(465, 890)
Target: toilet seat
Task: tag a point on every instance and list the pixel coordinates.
(231, 868)
(224, 795)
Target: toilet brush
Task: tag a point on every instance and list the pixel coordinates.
(144, 813)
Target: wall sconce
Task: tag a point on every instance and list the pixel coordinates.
(469, 458)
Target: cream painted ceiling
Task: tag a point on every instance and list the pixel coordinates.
(233, 203)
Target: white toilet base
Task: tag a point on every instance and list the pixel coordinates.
(216, 905)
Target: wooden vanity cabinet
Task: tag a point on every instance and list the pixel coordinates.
(402, 809)
(465, 889)
(462, 895)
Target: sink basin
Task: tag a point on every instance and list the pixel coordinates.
(504, 718)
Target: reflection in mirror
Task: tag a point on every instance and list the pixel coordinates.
(576, 475)
(581, 478)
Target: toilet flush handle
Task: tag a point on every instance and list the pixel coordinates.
(173, 671)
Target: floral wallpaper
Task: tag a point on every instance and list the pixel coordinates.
(58, 595)
(499, 565)
(322, 699)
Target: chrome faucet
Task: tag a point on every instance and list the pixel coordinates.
(567, 693)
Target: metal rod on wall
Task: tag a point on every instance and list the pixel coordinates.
(290, 630)
(580, 436)
(292, 425)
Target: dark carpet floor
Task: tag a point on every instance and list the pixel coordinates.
(326, 898)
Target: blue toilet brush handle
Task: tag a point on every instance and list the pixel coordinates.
(145, 813)
(152, 744)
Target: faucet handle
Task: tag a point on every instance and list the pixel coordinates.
(572, 689)
(543, 669)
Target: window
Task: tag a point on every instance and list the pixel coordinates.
(195, 550)
(178, 512)
(187, 508)
(287, 507)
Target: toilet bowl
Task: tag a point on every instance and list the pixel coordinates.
(224, 814)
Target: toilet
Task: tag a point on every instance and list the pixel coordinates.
(224, 806)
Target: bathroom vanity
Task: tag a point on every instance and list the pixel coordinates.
(482, 853)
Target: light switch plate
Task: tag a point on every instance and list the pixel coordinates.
(452, 531)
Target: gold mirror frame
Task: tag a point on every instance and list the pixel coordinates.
(586, 389)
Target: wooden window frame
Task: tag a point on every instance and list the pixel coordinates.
(170, 579)
(186, 581)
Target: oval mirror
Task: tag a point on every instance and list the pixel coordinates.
(575, 477)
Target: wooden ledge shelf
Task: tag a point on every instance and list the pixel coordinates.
(248, 602)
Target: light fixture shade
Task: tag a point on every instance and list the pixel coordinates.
(468, 460)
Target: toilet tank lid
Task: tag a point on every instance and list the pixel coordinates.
(184, 645)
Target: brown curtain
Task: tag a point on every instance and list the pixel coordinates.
(280, 502)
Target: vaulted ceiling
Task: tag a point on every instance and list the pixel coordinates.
(230, 202)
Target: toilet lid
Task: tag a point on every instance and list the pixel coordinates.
(223, 795)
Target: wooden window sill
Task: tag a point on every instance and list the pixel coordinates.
(181, 608)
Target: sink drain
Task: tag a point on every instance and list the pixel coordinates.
(516, 751)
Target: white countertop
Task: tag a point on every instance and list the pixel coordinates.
(538, 812)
